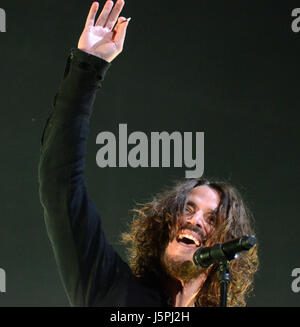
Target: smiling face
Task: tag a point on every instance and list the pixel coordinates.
(193, 227)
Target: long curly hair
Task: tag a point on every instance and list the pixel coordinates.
(153, 224)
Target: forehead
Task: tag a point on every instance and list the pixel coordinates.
(204, 197)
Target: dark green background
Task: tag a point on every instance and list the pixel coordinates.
(227, 68)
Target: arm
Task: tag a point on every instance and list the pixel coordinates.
(88, 265)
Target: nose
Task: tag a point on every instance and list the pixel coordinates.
(197, 219)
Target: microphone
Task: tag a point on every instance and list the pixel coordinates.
(205, 256)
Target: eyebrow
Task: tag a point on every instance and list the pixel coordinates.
(191, 203)
(194, 205)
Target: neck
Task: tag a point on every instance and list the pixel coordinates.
(184, 294)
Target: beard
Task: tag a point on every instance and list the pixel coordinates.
(184, 271)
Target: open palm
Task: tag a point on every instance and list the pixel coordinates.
(102, 39)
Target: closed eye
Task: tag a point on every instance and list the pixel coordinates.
(189, 209)
(190, 205)
(212, 218)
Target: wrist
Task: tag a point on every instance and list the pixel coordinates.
(90, 62)
(91, 53)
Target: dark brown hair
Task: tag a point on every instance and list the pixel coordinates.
(153, 223)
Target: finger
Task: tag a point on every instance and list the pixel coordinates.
(105, 13)
(113, 17)
(92, 14)
(120, 32)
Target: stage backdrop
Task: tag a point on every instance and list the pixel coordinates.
(229, 69)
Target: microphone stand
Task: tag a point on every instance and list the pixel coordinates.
(223, 254)
(224, 279)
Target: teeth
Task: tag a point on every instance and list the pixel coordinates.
(190, 237)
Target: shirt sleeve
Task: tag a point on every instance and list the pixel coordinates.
(88, 265)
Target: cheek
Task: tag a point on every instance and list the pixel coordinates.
(210, 230)
(171, 248)
(178, 253)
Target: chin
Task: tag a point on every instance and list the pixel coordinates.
(177, 261)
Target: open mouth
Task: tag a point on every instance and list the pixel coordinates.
(188, 238)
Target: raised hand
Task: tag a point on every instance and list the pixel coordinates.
(102, 39)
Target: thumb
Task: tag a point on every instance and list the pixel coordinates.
(120, 32)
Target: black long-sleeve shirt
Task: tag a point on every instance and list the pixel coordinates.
(92, 272)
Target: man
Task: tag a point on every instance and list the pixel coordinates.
(164, 234)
